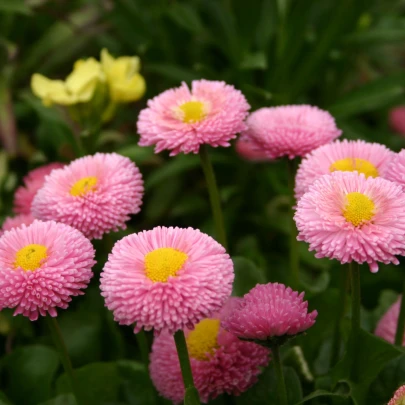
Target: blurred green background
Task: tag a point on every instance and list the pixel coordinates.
(344, 56)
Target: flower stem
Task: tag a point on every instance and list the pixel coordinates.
(294, 255)
(345, 279)
(214, 195)
(64, 357)
(278, 367)
(399, 335)
(191, 393)
(356, 299)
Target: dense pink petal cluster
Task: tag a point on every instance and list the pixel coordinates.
(16, 222)
(319, 162)
(105, 207)
(292, 130)
(232, 368)
(198, 290)
(396, 169)
(397, 119)
(249, 150)
(399, 396)
(387, 325)
(269, 310)
(322, 224)
(162, 123)
(33, 181)
(62, 274)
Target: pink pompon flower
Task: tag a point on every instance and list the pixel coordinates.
(387, 325)
(42, 266)
(291, 130)
(396, 169)
(269, 311)
(94, 194)
(399, 397)
(181, 120)
(166, 279)
(16, 222)
(371, 159)
(249, 150)
(33, 181)
(220, 363)
(397, 119)
(349, 217)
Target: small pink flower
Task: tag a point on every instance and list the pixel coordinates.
(292, 130)
(94, 194)
(220, 363)
(268, 311)
(16, 222)
(371, 159)
(249, 150)
(42, 266)
(33, 181)
(396, 169)
(348, 217)
(399, 397)
(181, 120)
(166, 279)
(397, 119)
(387, 325)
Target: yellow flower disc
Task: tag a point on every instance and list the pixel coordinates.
(355, 164)
(84, 186)
(359, 208)
(202, 341)
(193, 111)
(162, 263)
(31, 257)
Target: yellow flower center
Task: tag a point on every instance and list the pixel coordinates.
(400, 401)
(162, 263)
(352, 164)
(192, 111)
(202, 341)
(30, 257)
(359, 208)
(84, 186)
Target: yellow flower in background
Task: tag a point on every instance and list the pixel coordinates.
(79, 86)
(124, 81)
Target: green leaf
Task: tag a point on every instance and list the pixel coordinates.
(139, 154)
(378, 94)
(372, 355)
(186, 17)
(3, 399)
(175, 73)
(247, 275)
(29, 373)
(320, 393)
(14, 6)
(377, 36)
(98, 383)
(64, 399)
(256, 60)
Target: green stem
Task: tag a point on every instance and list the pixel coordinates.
(214, 195)
(64, 357)
(294, 254)
(399, 335)
(356, 299)
(282, 13)
(344, 281)
(144, 348)
(191, 393)
(278, 367)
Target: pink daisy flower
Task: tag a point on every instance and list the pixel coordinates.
(33, 181)
(180, 119)
(249, 150)
(166, 279)
(16, 222)
(269, 311)
(387, 325)
(220, 363)
(42, 266)
(94, 194)
(399, 397)
(396, 169)
(371, 159)
(291, 130)
(397, 119)
(349, 217)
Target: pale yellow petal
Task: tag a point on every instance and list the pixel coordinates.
(128, 90)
